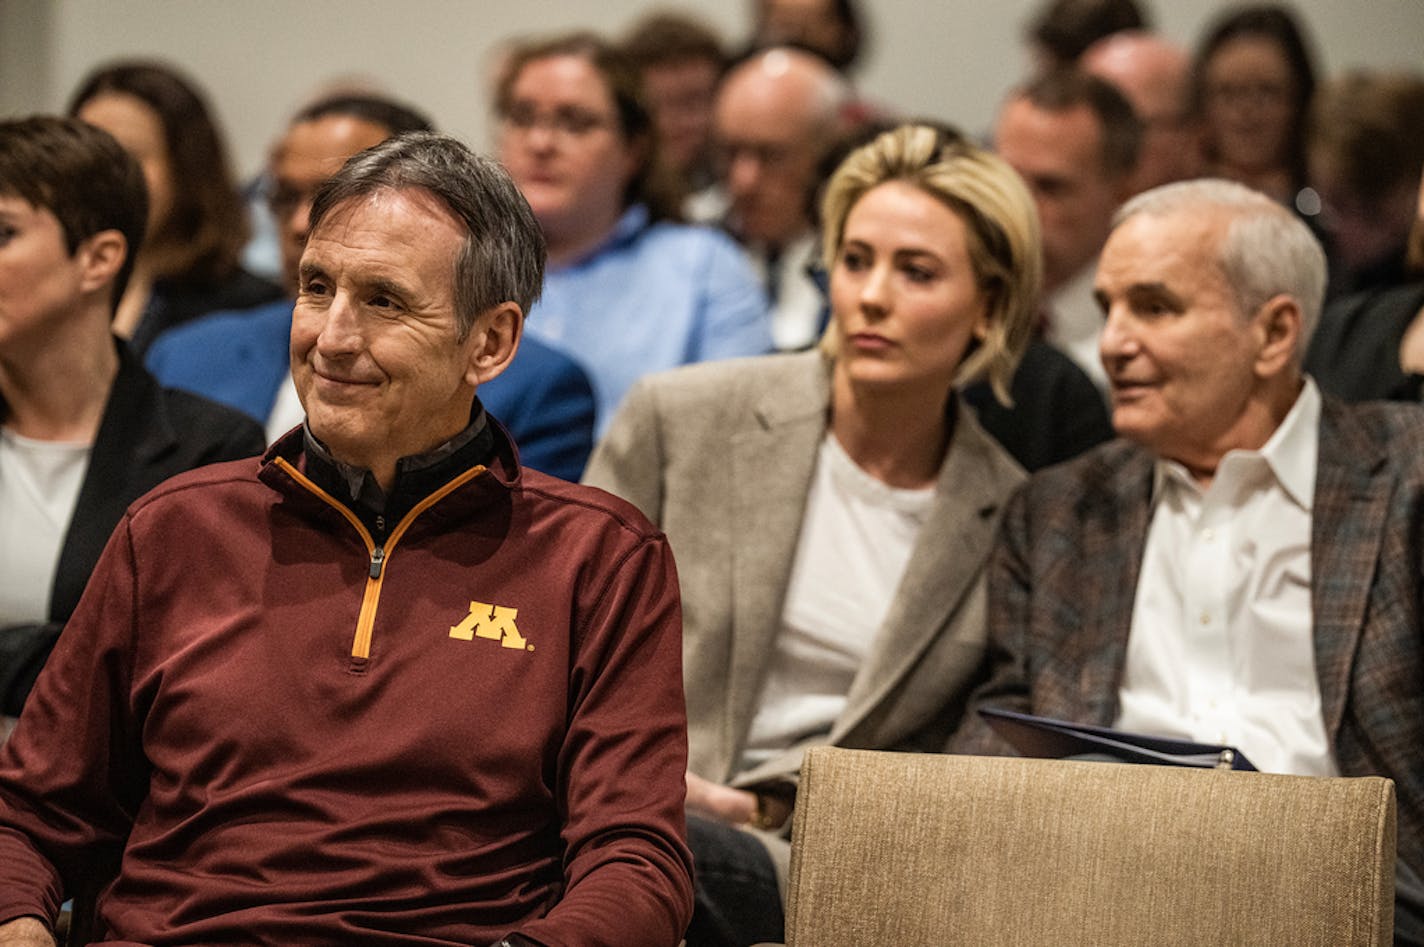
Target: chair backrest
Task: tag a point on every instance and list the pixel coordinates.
(920, 849)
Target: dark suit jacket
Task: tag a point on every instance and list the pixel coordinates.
(1058, 413)
(1354, 352)
(1064, 576)
(147, 434)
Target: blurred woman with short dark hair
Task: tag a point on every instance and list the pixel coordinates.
(84, 429)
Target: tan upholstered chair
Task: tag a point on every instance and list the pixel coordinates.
(911, 850)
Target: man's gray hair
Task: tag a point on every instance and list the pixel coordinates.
(1266, 250)
(502, 259)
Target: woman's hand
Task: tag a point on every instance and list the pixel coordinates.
(706, 798)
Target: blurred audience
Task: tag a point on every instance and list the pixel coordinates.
(833, 29)
(831, 511)
(1062, 30)
(680, 61)
(834, 511)
(1075, 141)
(189, 263)
(84, 430)
(241, 358)
(1253, 80)
(1367, 157)
(1366, 149)
(628, 290)
(778, 113)
(1155, 76)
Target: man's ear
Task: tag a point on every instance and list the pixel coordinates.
(100, 258)
(1278, 324)
(495, 337)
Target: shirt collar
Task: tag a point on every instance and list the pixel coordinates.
(360, 483)
(632, 223)
(1291, 453)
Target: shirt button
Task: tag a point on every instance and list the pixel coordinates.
(1205, 618)
(1208, 535)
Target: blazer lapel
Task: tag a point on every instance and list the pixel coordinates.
(947, 560)
(134, 435)
(773, 454)
(1113, 539)
(1347, 522)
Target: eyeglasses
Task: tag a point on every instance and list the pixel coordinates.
(1257, 94)
(565, 121)
(766, 154)
(283, 199)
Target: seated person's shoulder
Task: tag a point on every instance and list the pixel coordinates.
(692, 241)
(733, 383)
(539, 366)
(224, 490)
(210, 339)
(585, 508)
(1098, 475)
(211, 430)
(1396, 426)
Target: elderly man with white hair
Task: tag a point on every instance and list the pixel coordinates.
(1243, 565)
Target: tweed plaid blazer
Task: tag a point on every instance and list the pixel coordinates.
(1064, 576)
(721, 456)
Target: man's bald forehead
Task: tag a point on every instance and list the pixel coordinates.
(793, 76)
(1140, 64)
(1137, 50)
(332, 134)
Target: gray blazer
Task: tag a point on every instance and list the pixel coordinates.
(721, 456)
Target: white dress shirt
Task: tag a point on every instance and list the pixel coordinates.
(1222, 648)
(797, 303)
(287, 410)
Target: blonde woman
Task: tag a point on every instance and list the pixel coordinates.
(832, 511)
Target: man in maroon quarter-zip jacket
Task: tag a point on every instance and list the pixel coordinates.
(384, 687)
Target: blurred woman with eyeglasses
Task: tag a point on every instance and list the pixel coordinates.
(628, 288)
(1253, 82)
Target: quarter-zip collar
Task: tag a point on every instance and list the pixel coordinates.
(429, 493)
(416, 476)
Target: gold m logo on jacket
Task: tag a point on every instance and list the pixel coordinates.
(495, 622)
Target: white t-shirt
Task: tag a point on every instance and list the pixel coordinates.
(855, 542)
(39, 487)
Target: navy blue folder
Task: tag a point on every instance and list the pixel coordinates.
(1046, 738)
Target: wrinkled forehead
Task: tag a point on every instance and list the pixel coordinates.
(1173, 249)
(1198, 229)
(404, 207)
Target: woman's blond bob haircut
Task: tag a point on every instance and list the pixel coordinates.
(999, 220)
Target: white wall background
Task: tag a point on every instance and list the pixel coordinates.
(258, 59)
